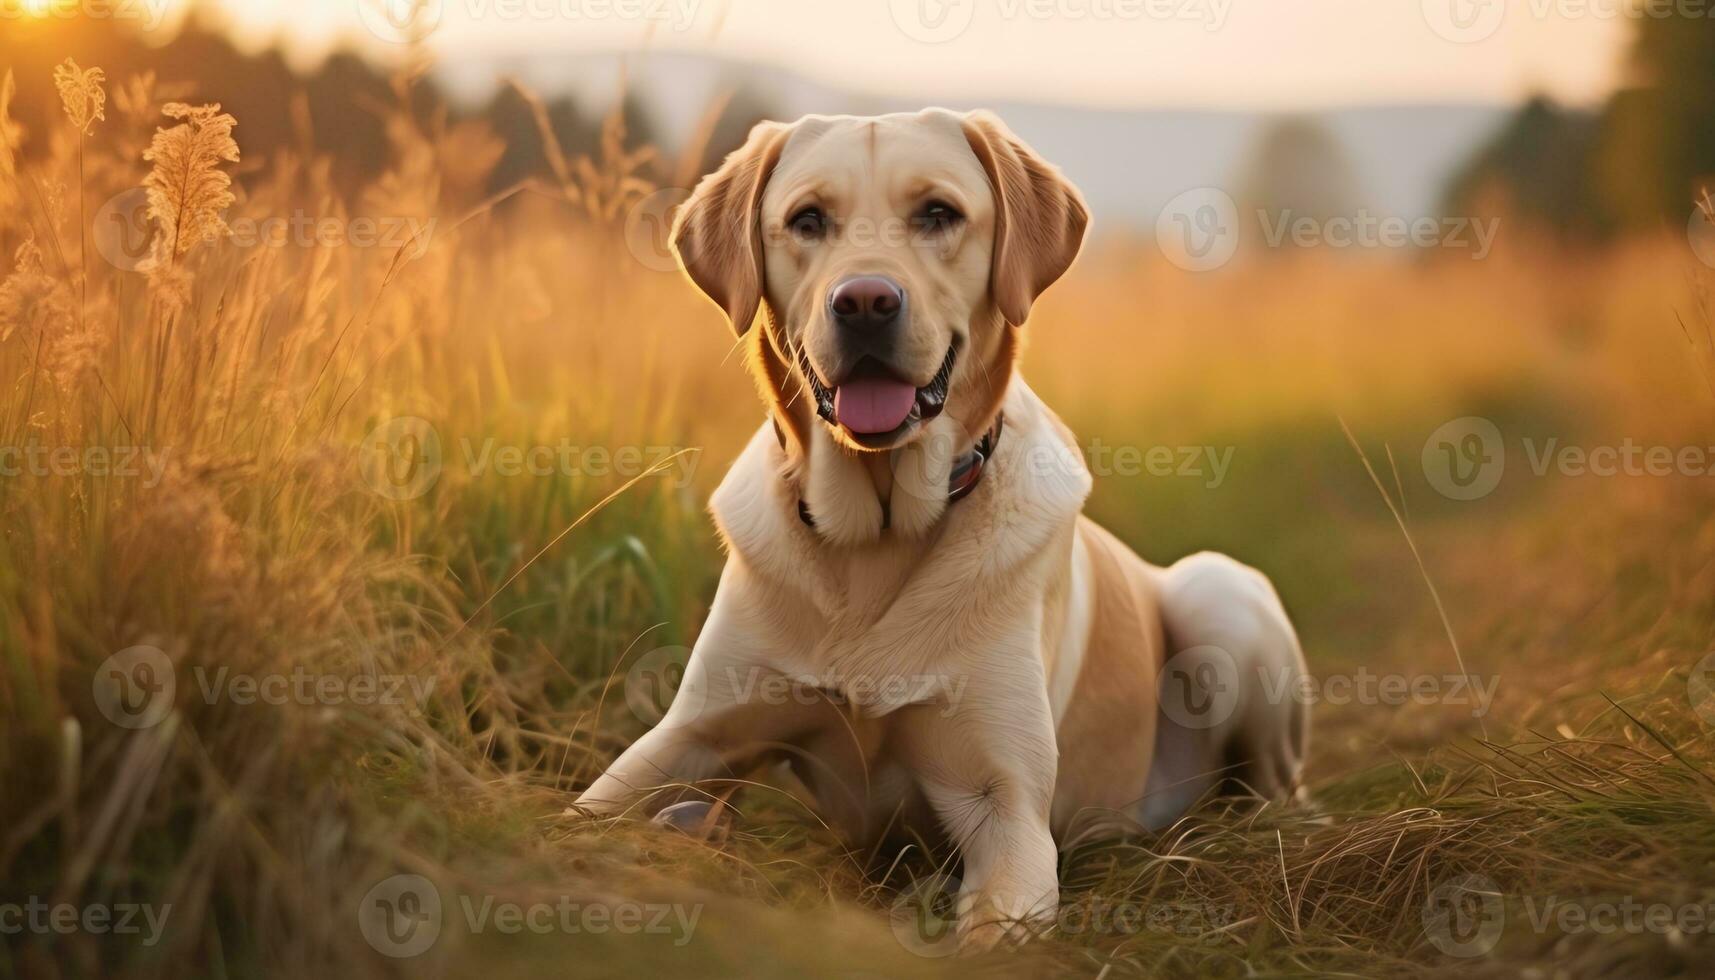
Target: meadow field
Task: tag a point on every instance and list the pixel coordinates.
(332, 542)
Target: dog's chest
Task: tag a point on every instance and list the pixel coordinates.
(852, 588)
(847, 602)
(922, 607)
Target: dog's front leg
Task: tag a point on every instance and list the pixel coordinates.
(664, 756)
(721, 718)
(986, 762)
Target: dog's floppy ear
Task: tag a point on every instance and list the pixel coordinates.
(717, 233)
(1039, 216)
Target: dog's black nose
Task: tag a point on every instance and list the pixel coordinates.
(866, 302)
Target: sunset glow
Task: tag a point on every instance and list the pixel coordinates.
(1201, 53)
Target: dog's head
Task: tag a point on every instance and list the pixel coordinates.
(891, 252)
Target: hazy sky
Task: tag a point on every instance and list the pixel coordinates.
(1200, 53)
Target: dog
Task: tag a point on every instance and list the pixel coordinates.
(905, 535)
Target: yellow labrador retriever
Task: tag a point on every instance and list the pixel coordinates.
(904, 532)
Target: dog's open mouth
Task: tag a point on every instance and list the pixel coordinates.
(873, 405)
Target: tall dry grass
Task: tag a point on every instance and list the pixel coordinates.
(243, 535)
(251, 371)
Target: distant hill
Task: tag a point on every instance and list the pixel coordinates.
(1129, 162)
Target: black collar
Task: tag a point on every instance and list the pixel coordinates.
(967, 472)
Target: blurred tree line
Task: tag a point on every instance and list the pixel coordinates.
(1299, 167)
(337, 109)
(1638, 161)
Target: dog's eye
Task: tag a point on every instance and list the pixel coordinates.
(939, 216)
(808, 224)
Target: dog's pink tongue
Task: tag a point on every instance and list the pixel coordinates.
(873, 405)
